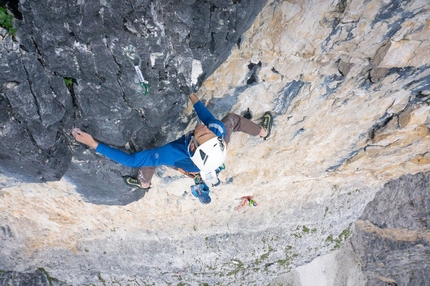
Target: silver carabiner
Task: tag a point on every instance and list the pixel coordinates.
(130, 53)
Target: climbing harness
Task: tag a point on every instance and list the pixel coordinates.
(200, 189)
(130, 53)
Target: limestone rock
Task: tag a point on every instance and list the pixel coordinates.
(349, 85)
(392, 236)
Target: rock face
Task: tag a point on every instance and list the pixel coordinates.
(389, 245)
(72, 65)
(392, 236)
(36, 278)
(349, 85)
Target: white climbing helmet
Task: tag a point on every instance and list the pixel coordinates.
(210, 155)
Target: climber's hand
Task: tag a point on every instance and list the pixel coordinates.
(84, 138)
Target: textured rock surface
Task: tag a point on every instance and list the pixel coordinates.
(348, 83)
(36, 278)
(68, 67)
(389, 244)
(392, 237)
(341, 267)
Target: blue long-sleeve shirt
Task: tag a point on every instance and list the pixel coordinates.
(173, 154)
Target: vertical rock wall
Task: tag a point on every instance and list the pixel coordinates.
(392, 236)
(348, 83)
(388, 246)
(67, 66)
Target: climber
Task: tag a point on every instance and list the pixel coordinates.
(200, 152)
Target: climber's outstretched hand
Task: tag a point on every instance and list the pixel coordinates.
(194, 98)
(84, 138)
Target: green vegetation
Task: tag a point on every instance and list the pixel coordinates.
(264, 256)
(325, 212)
(284, 262)
(356, 190)
(6, 21)
(101, 279)
(329, 239)
(304, 229)
(341, 238)
(307, 230)
(345, 234)
(47, 275)
(288, 257)
(233, 272)
(296, 235)
(68, 80)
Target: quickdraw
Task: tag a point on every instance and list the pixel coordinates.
(130, 53)
(244, 200)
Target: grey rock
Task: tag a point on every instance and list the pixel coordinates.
(66, 67)
(37, 278)
(392, 235)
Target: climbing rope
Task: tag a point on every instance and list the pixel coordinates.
(246, 199)
(135, 60)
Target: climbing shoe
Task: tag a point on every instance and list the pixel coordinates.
(266, 123)
(134, 183)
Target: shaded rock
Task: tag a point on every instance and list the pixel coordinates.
(392, 237)
(38, 278)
